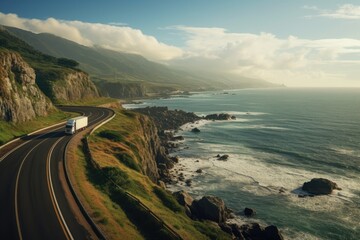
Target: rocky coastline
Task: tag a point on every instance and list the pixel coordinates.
(211, 208)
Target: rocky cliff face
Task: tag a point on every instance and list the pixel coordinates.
(152, 153)
(20, 97)
(73, 86)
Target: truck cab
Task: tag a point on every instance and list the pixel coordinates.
(70, 126)
(76, 124)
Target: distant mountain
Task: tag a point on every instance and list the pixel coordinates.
(113, 71)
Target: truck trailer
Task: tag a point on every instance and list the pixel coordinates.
(76, 124)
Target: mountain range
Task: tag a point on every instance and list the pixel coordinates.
(119, 74)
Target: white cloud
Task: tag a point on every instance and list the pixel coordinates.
(119, 38)
(346, 11)
(292, 60)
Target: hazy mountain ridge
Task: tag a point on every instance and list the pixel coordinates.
(106, 66)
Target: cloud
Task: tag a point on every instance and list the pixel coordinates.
(346, 11)
(291, 60)
(110, 36)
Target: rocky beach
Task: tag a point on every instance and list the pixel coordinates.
(211, 208)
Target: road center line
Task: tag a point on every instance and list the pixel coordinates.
(53, 196)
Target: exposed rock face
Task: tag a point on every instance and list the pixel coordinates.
(74, 86)
(211, 208)
(221, 116)
(273, 233)
(195, 130)
(154, 160)
(320, 186)
(166, 119)
(255, 232)
(183, 198)
(249, 212)
(224, 157)
(20, 97)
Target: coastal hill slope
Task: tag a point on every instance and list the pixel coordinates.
(31, 81)
(120, 74)
(58, 78)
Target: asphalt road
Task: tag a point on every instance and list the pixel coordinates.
(33, 203)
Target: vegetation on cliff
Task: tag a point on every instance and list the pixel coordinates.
(57, 78)
(126, 150)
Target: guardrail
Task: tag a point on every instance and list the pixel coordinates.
(94, 227)
(97, 166)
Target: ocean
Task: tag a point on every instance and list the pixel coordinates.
(280, 139)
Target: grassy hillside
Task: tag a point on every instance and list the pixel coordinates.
(10, 130)
(48, 68)
(115, 148)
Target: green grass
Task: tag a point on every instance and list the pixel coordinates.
(167, 199)
(209, 230)
(111, 135)
(10, 130)
(128, 161)
(91, 102)
(125, 136)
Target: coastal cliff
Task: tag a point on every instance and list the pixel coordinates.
(136, 144)
(128, 152)
(75, 85)
(58, 78)
(20, 97)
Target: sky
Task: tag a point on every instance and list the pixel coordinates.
(296, 43)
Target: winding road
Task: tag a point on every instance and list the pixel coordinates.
(34, 203)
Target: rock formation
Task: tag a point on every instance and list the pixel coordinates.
(249, 212)
(320, 186)
(75, 85)
(221, 116)
(210, 208)
(20, 97)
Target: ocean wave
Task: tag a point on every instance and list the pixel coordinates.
(235, 113)
(256, 126)
(345, 151)
(262, 179)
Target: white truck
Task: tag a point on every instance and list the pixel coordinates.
(76, 124)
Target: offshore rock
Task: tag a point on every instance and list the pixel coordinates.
(221, 116)
(195, 130)
(249, 212)
(320, 186)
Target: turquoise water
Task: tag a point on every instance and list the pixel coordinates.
(281, 138)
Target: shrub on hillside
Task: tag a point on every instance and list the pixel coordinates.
(128, 161)
(67, 62)
(111, 135)
(167, 199)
